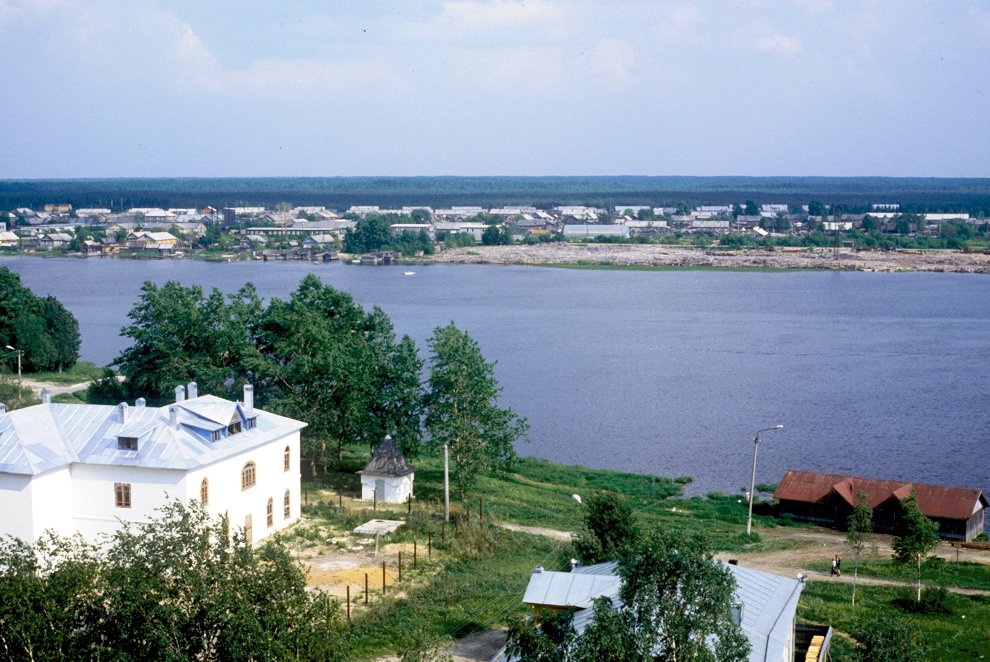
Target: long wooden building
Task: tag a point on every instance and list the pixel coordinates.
(829, 499)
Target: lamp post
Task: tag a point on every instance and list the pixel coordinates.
(752, 482)
(14, 349)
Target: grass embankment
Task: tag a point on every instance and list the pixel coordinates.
(83, 371)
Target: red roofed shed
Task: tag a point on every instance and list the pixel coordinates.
(829, 499)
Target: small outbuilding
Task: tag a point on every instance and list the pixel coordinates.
(388, 477)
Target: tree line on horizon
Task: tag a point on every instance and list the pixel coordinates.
(321, 358)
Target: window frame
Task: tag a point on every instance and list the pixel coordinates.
(127, 443)
(249, 475)
(287, 459)
(270, 513)
(122, 495)
(204, 491)
(287, 505)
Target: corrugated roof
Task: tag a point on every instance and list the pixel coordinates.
(569, 589)
(388, 461)
(940, 501)
(37, 439)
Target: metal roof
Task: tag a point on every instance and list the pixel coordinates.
(44, 437)
(388, 461)
(934, 500)
(569, 589)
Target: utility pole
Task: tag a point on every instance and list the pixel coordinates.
(446, 487)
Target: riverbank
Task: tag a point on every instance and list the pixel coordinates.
(658, 255)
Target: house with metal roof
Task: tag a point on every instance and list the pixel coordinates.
(766, 607)
(829, 499)
(388, 477)
(87, 468)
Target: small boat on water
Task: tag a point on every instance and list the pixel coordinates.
(408, 273)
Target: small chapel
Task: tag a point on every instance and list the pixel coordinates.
(388, 478)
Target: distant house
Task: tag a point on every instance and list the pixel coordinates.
(8, 239)
(388, 477)
(767, 613)
(319, 241)
(54, 241)
(829, 499)
(590, 231)
(709, 227)
(143, 240)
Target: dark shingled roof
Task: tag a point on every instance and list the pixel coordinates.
(933, 500)
(388, 461)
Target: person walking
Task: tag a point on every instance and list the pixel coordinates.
(835, 565)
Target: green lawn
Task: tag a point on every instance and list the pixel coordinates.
(964, 574)
(961, 635)
(83, 371)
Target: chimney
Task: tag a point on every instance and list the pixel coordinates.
(538, 570)
(180, 393)
(122, 412)
(248, 398)
(173, 416)
(46, 396)
(192, 390)
(3, 409)
(140, 403)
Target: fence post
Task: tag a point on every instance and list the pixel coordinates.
(365, 588)
(348, 603)
(400, 565)
(414, 554)
(374, 496)
(443, 534)
(383, 577)
(429, 543)
(409, 504)
(340, 500)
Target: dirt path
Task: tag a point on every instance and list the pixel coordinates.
(540, 531)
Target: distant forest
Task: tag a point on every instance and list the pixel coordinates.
(915, 194)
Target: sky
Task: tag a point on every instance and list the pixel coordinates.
(204, 88)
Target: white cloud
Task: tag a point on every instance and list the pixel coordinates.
(778, 44)
(613, 60)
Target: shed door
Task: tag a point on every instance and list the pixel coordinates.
(380, 489)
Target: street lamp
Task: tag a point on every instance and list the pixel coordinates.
(13, 349)
(752, 482)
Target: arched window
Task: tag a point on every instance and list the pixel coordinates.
(285, 459)
(270, 513)
(204, 492)
(285, 505)
(248, 476)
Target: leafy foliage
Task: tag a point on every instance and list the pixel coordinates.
(172, 588)
(609, 529)
(44, 331)
(888, 640)
(860, 528)
(462, 410)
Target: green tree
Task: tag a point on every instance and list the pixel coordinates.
(920, 537)
(371, 233)
(14, 395)
(677, 601)
(609, 531)
(462, 408)
(493, 236)
(858, 535)
(751, 208)
(817, 208)
(420, 215)
(888, 640)
(63, 331)
(645, 214)
(180, 335)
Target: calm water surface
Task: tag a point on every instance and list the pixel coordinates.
(664, 372)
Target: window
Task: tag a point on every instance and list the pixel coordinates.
(285, 459)
(248, 477)
(270, 513)
(286, 511)
(127, 443)
(251, 423)
(234, 428)
(217, 435)
(248, 533)
(122, 495)
(204, 492)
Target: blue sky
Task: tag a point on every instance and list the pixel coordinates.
(122, 88)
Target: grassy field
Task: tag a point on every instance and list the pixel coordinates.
(84, 371)
(964, 574)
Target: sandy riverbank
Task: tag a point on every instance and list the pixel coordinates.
(668, 256)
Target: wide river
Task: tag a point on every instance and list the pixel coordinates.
(663, 372)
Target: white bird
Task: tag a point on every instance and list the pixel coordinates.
(576, 497)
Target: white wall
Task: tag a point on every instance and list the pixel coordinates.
(31, 504)
(94, 506)
(272, 481)
(397, 489)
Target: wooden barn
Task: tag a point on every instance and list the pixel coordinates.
(829, 499)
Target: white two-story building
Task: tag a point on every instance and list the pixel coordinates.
(87, 468)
